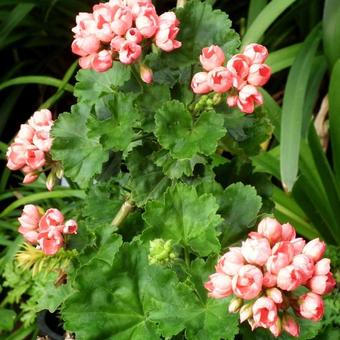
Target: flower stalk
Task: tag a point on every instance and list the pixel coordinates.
(123, 212)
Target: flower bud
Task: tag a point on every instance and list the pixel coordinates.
(246, 311)
(160, 251)
(235, 305)
(276, 328)
(146, 74)
(51, 181)
(290, 325)
(315, 249)
(275, 294)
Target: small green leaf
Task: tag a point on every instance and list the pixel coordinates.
(186, 218)
(116, 116)
(246, 134)
(185, 137)
(7, 318)
(147, 180)
(82, 157)
(51, 297)
(176, 168)
(157, 95)
(239, 209)
(105, 248)
(91, 84)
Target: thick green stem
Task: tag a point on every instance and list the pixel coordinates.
(180, 3)
(123, 212)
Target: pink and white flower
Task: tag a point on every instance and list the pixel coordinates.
(247, 283)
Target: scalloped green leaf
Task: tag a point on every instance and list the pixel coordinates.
(128, 300)
(240, 205)
(115, 120)
(147, 181)
(176, 168)
(186, 218)
(184, 136)
(91, 84)
(82, 156)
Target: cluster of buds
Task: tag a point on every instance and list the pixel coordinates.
(161, 251)
(264, 274)
(240, 78)
(46, 230)
(118, 29)
(29, 151)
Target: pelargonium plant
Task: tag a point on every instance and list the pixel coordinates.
(159, 153)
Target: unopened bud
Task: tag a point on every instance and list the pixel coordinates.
(290, 325)
(59, 171)
(161, 251)
(246, 311)
(275, 294)
(51, 180)
(276, 328)
(235, 305)
(146, 74)
(217, 98)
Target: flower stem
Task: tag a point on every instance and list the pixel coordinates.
(186, 257)
(123, 212)
(180, 3)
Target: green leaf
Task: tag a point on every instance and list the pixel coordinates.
(213, 321)
(7, 318)
(12, 20)
(201, 26)
(334, 118)
(327, 179)
(266, 17)
(128, 300)
(255, 8)
(239, 209)
(105, 247)
(147, 180)
(293, 108)
(186, 218)
(245, 133)
(157, 95)
(116, 116)
(283, 58)
(43, 80)
(51, 297)
(176, 168)
(331, 30)
(82, 156)
(91, 84)
(184, 137)
(273, 112)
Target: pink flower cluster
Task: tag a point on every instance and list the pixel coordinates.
(45, 229)
(240, 77)
(264, 273)
(31, 145)
(117, 30)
